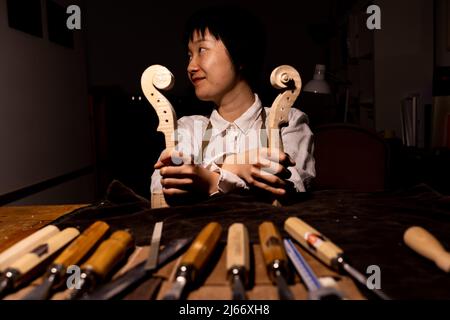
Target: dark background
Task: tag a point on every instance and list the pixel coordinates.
(111, 128)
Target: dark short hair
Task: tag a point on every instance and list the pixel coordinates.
(242, 33)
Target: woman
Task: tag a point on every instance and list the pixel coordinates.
(221, 154)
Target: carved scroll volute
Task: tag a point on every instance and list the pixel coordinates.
(159, 77)
(287, 78)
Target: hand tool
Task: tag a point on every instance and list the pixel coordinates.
(26, 245)
(275, 258)
(325, 250)
(105, 258)
(195, 259)
(152, 260)
(425, 244)
(315, 289)
(70, 256)
(238, 259)
(21, 270)
(138, 273)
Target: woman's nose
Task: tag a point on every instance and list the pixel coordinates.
(192, 66)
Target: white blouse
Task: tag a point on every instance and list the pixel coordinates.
(241, 135)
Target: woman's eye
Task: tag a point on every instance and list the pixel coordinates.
(200, 50)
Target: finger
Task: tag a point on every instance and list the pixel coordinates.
(177, 171)
(174, 192)
(267, 178)
(274, 168)
(169, 183)
(264, 186)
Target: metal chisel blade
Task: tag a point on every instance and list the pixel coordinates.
(152, 260)
(138, 273)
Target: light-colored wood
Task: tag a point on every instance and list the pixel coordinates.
(43, 251)
(271, 244)
(202, 248)
(312, 240)
(238, 247)
(158, 200)
(26, 245)
(82, 245)
(288, 79)
(109, 253)
(425, 244)
(159, 77)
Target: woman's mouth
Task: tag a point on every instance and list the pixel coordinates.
(195, 81)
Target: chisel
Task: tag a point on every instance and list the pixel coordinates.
(70, 256)
(105, 258)
(325, 250)
(195, 259)
(275, 258)
(21, 269)
(26, 245)
(152, 260)
(238, 259)
(315, 289)
(425, 244)
(135, 275)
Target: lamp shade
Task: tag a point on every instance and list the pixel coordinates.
(318, 84)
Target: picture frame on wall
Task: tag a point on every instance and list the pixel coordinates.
(25, 16)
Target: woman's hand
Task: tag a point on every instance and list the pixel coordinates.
(180, 178)
(262, 169)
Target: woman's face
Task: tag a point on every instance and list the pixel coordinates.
(210, 68)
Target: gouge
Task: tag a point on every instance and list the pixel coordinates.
(20, 270)
(138, 274)
(275, 258)
(105, 258)
(425, 244)
(315, 289)
(325, 250)
(26, 245)
(70, 256)
(238, 259)
(195, 259)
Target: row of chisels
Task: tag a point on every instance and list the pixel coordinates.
(98, 251)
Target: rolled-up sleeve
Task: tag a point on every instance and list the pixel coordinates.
(298, 143)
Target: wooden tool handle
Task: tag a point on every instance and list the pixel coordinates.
(271, 243)
(238, 247)
(425, 244)
(82, 245)
(110, 252)
(158, 200)
(202, 248)
(313, 241)
(45, 250)
(26, 245)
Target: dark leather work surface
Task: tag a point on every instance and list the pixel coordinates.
(369, 227)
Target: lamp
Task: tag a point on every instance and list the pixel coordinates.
(318, 84)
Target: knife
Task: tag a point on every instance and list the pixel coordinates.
(135, 275)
